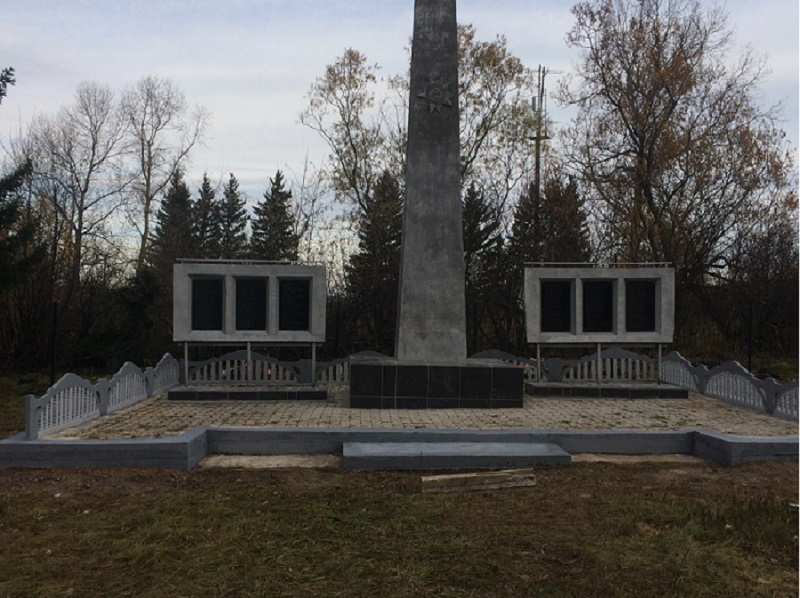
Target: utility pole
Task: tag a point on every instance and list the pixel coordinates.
(540, 115)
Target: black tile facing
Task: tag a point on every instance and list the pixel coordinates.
(485, 403)
(441, 403)
(476, 382)
(366, 379)
(312, 395)
(389, 385)
(182, 395)
(444, 382)
(507, 383)
(273, 395)
(411, 403)
(584, 392)
(215, 395)
(365, 402)
(412, 382)
(615, 392)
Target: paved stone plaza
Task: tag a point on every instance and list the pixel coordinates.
(158, 418)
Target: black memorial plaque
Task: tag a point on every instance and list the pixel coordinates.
(251, 304)
(207, 304)
(294, 304)
(556, 312)
(598, 306)
(640, 305)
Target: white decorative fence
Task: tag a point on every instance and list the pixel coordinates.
(243, 368)
(334, 372)
(613, 364)
(73, 400)
(728, 382)
(733, 383)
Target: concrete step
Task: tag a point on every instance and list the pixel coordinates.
(451, 455)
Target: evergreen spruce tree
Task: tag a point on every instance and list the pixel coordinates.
(172, 236)
(552, 228)
(147, 297)
(564, 226)
(206, 222)
(233, 222)
(483, 267)
(18, 249)
(273, 236)
(373, 271)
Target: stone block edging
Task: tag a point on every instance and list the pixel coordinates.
(185, 451)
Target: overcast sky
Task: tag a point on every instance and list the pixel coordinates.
(251, 62)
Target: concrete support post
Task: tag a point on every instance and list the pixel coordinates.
(186, 363)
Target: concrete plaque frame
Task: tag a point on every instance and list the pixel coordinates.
(663, 279)
(185, 272)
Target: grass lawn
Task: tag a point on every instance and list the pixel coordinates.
(13, 388)
(591, 529)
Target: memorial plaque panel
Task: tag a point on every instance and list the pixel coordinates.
(556, 312)
(251, 303)
(598, 306)
(640, 305)
(207, 304)
(595, 304)
(294, 304)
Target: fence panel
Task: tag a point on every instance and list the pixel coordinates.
(126, 387)
(235, 368)
(733, 383)
(333, 372)
(165, 375)
(786, 405)
(69, 402)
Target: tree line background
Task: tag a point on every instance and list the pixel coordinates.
(670, 158)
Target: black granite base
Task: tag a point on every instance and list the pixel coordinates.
(246, 394)
(588, 390)
(387, 384)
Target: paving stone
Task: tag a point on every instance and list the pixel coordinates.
(157, 417)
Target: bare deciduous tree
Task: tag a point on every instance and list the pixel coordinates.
(674, 150)
(161, 134)
(78, 174)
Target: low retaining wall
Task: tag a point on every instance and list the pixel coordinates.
(184, 452)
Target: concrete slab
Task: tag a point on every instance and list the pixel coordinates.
(450, 455)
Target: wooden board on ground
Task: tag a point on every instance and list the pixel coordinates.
(485, 480)
(271, 462)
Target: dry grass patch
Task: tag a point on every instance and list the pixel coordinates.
(593, 529)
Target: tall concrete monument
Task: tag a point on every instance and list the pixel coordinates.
(430, 369)
(431, 313)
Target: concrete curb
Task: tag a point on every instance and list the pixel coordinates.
(185, 451)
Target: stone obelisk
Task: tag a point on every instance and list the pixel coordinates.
(431, 314)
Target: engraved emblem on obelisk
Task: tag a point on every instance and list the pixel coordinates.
(436, 92)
